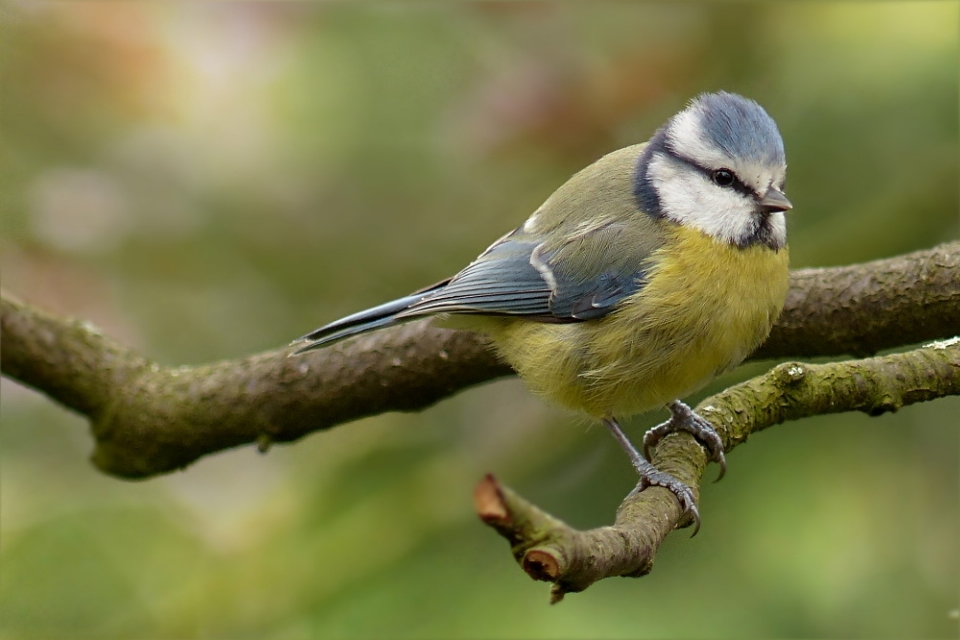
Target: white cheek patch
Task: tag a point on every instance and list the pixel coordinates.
(690, 198)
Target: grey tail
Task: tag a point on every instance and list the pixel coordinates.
(372, 319)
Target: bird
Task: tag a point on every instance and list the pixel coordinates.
(637, 282)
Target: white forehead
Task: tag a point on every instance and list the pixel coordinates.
(687, 137)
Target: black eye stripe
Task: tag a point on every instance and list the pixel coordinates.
(737, 185)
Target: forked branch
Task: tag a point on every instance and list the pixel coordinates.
(149, 419)
(548, 549)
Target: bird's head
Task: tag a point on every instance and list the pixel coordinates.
(719, 166)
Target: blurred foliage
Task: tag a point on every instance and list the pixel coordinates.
(208, 180)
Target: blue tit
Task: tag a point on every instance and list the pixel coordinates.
(646, 275)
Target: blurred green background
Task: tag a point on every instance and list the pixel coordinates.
(210, 180)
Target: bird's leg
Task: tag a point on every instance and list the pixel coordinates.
(650, 476)
(686, 419)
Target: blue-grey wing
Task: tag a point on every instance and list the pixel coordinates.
(582, 277)
(521, 275)
(501, 281)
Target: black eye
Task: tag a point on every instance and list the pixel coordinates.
(723, 177)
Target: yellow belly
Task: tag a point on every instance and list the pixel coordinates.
(706, 306)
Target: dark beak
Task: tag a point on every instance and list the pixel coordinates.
(774, 200)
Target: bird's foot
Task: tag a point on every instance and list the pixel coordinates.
(686, 419)
(650, 476)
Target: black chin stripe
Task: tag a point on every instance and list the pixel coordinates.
(763, 234)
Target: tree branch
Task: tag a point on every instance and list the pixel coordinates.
(862, 309)
(149, 419)
(548, 549)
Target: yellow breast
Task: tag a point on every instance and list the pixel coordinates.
(706, 306)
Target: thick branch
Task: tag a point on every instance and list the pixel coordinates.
(862, 309)
(548, 549)
(149, 419)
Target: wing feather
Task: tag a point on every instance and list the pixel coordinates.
(518, 276)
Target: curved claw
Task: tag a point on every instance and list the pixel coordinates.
(710, 440)
(696, 520)
(689, 506)
(722, 461)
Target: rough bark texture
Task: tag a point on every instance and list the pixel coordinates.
(862, 309)
(149, 419)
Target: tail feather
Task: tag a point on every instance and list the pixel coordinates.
(368, 320)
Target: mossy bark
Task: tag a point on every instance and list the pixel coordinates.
(548, 549)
